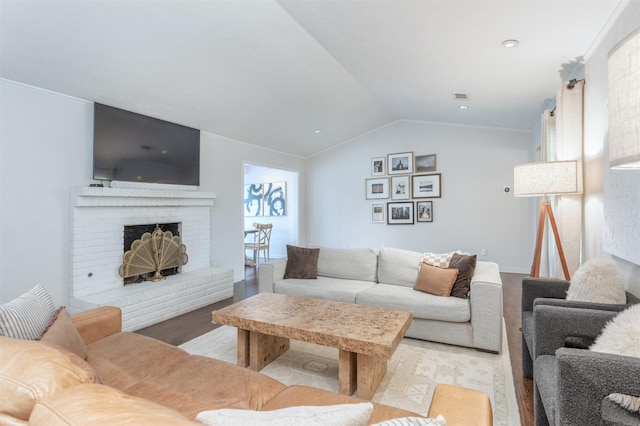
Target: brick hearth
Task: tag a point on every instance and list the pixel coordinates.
(97, 228)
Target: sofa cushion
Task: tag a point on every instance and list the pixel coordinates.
(99, 405)
(435, 280)
(183, 386)
(527, 330)
(123, 359)
(301, 262)
(356, 414)
(352, 264)
(62, 333)
(466, 266)
(545, 370)
(398, 267)
(28, 315)
(341, 290)
(31, 372)
(422, 305)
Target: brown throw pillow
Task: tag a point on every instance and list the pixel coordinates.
(435, 280)
(466, 265)
(302, 263)
(61, 332)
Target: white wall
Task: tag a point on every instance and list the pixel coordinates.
(46, 149)
(598, 178)
(45, 152)
(473, 213)
(222, 172)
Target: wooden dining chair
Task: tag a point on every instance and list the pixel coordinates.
(260, 241)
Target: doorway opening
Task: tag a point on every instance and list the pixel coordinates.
(271, 197)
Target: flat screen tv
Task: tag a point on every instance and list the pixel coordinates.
(131, 147)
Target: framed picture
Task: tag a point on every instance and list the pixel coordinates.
(426, 186)
(377, 188)
(400, 213)
(425, 163)
(399, 164)
(378, 166)
(253, 199)
(377, 213)
(424, 211)
(275, 198)
(400, 187)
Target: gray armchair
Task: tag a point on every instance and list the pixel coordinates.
(552, 292)
(571, 385)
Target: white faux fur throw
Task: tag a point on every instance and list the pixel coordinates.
(621, 336)
(598, 281)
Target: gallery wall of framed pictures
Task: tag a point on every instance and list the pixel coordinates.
(406, 181)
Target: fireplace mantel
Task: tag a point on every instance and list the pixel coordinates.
(107, 197)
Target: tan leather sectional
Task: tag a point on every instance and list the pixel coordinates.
(127, 377)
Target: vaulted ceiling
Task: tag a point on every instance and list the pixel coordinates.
(271, 73)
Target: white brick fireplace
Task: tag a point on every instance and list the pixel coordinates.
(99, 216)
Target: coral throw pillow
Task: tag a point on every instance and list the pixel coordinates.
(435, 280)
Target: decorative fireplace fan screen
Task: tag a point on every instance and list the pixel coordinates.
(153, 253)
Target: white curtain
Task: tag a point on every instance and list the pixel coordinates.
(568, 145)
(548, 133)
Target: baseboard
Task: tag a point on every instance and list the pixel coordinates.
(514, 270)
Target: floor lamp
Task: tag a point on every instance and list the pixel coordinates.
(544, 179)
(624, 104)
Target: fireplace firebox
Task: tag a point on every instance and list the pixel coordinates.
(152, 252)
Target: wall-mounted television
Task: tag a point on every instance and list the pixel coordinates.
(131, 147)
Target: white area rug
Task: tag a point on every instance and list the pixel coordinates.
(414, 370)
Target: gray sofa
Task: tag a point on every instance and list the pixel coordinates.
(570, 385)
(365, 277)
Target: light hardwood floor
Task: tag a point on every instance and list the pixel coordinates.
(193, 324)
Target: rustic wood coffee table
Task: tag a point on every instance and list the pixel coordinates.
(366, 336)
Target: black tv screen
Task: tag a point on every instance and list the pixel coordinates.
(132, 147)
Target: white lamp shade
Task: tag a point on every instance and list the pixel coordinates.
(624, 104)
(547, 178)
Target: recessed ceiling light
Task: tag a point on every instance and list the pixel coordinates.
(510, 43)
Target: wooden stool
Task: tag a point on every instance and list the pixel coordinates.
(461, 406)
